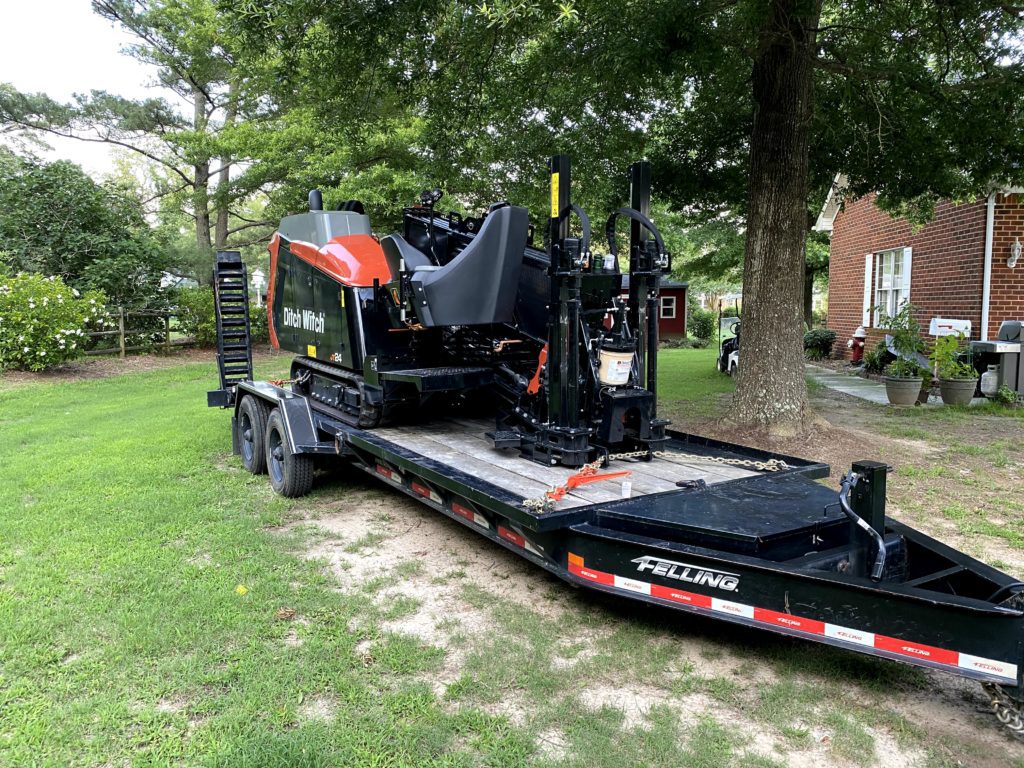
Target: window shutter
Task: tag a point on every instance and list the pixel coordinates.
(869, 260)
(905, 288)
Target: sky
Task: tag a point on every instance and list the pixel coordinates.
(60, 47)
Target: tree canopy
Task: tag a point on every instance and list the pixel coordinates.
(746, 109)
(55, 220)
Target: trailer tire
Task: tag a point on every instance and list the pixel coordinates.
(291, 474)
(252, 419)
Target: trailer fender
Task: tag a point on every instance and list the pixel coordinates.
(300, 424)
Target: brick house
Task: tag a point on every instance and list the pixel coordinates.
(672, 314)
(955, 267)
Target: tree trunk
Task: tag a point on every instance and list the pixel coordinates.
(224, 175)
(809, 276)
(201, 172)
(771, 390)
(201, 204)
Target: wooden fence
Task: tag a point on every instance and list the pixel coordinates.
(123, 331)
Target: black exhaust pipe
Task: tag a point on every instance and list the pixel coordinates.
(316, 200)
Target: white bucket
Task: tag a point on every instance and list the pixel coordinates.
(615, 367)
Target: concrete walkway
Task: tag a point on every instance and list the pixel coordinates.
(865, 389)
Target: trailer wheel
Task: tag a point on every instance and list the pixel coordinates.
(252, 430)
(291, 474)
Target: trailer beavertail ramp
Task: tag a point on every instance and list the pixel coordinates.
(529, 415)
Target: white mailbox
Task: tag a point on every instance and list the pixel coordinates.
(945, 326)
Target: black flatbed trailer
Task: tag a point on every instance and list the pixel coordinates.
(495, 383)
(766, 550)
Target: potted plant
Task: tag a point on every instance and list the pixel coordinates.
(903, 376)
(903, 381)
(957, 380)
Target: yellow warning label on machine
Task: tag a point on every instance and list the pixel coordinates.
(554, 196)
(310, 350)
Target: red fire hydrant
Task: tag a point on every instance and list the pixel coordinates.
(856, 345)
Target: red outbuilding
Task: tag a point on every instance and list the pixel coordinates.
(672, 314)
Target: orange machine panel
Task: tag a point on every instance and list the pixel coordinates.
(275, 241)
(355, 260)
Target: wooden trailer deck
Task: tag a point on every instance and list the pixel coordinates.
(463, 444)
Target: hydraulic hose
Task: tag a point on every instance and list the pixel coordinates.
(845, 487)
(644, 222)
(584, 224)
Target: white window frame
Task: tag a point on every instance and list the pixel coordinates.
(667, 301)
(892, 272)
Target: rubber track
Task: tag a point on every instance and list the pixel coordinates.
(369, 415)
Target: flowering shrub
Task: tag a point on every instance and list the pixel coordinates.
(43, 322)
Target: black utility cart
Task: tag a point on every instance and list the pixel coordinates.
(509, 386)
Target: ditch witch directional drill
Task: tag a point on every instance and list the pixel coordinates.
(456, 311)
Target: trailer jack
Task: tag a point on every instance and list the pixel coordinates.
(848, 483)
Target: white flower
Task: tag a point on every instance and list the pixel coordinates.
(26, 349)
(72, 345)
(43, 353)
(75, 293)
(92, 301)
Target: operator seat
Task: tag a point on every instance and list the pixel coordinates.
(478, 286)
(397, 249)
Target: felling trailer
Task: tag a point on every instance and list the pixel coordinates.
(514, 390)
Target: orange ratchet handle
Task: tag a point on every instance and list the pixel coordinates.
(582, 479)
(542, 359)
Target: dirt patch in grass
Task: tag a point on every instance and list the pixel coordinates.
(109, 365)
(317, 708)
(103, 367)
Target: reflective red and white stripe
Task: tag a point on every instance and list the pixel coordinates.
(1001, 669)
(470, 514)
(390, 474)
(518, 539)
(425, 491)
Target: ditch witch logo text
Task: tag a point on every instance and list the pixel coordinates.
(691, 574)
(306, 319)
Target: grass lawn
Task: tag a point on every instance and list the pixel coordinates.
(144, 605)
(690, 374)
(159, 606)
